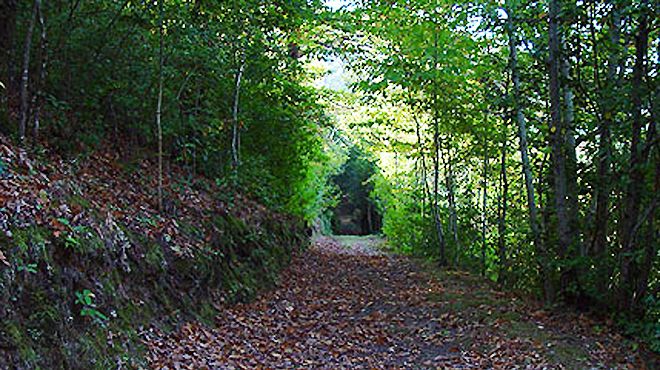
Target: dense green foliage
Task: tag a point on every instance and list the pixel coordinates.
(100, 84)
(513, 138)
(461, 83)
(356, 213)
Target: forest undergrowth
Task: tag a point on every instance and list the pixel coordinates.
(88, 263)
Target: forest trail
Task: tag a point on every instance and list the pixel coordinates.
(346, 304)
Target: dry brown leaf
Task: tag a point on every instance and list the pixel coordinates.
(3, 259)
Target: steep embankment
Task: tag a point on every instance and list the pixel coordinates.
(87, 263)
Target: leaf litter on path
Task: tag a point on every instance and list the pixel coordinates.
(343, 304)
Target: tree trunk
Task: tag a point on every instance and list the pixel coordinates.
(25, 74)
(7, 31)
(370, 224)
(451, 199)
(608, 108)
(436, 181)
(633, 196)
(436, 161)
(236, 135)
(560, 182)
(501, 214)
(571, 158)
(524, 154)
(484, 200)
(651, 237)
(420, 145)
(42, 76)
(159, 108)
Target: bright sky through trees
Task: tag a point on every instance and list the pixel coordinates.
(336, 4)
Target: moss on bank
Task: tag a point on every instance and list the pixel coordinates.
(79, 301)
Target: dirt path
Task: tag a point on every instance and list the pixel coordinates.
(345, 304)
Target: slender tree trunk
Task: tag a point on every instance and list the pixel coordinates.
(436, 161)
(451, 199)
(436, 211)
(159, 107)
(235, 141)
(541, 253)
(574, 224)
(422, 155)
(633, 196)
(484, 199)
(25, 74)
(7, 31)
(436, 182)
(571, 156)
(652, 235)
(422, 179)
(501, 214)
(652, 217)
(560, 182)
(42, 76)
(609, 108)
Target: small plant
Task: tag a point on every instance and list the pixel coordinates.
(70, 233)
(64, 221)
(71, 242)
(86, 300)
(30, 267)
(145, 220)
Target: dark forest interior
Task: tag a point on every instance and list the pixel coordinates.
(356, 213)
